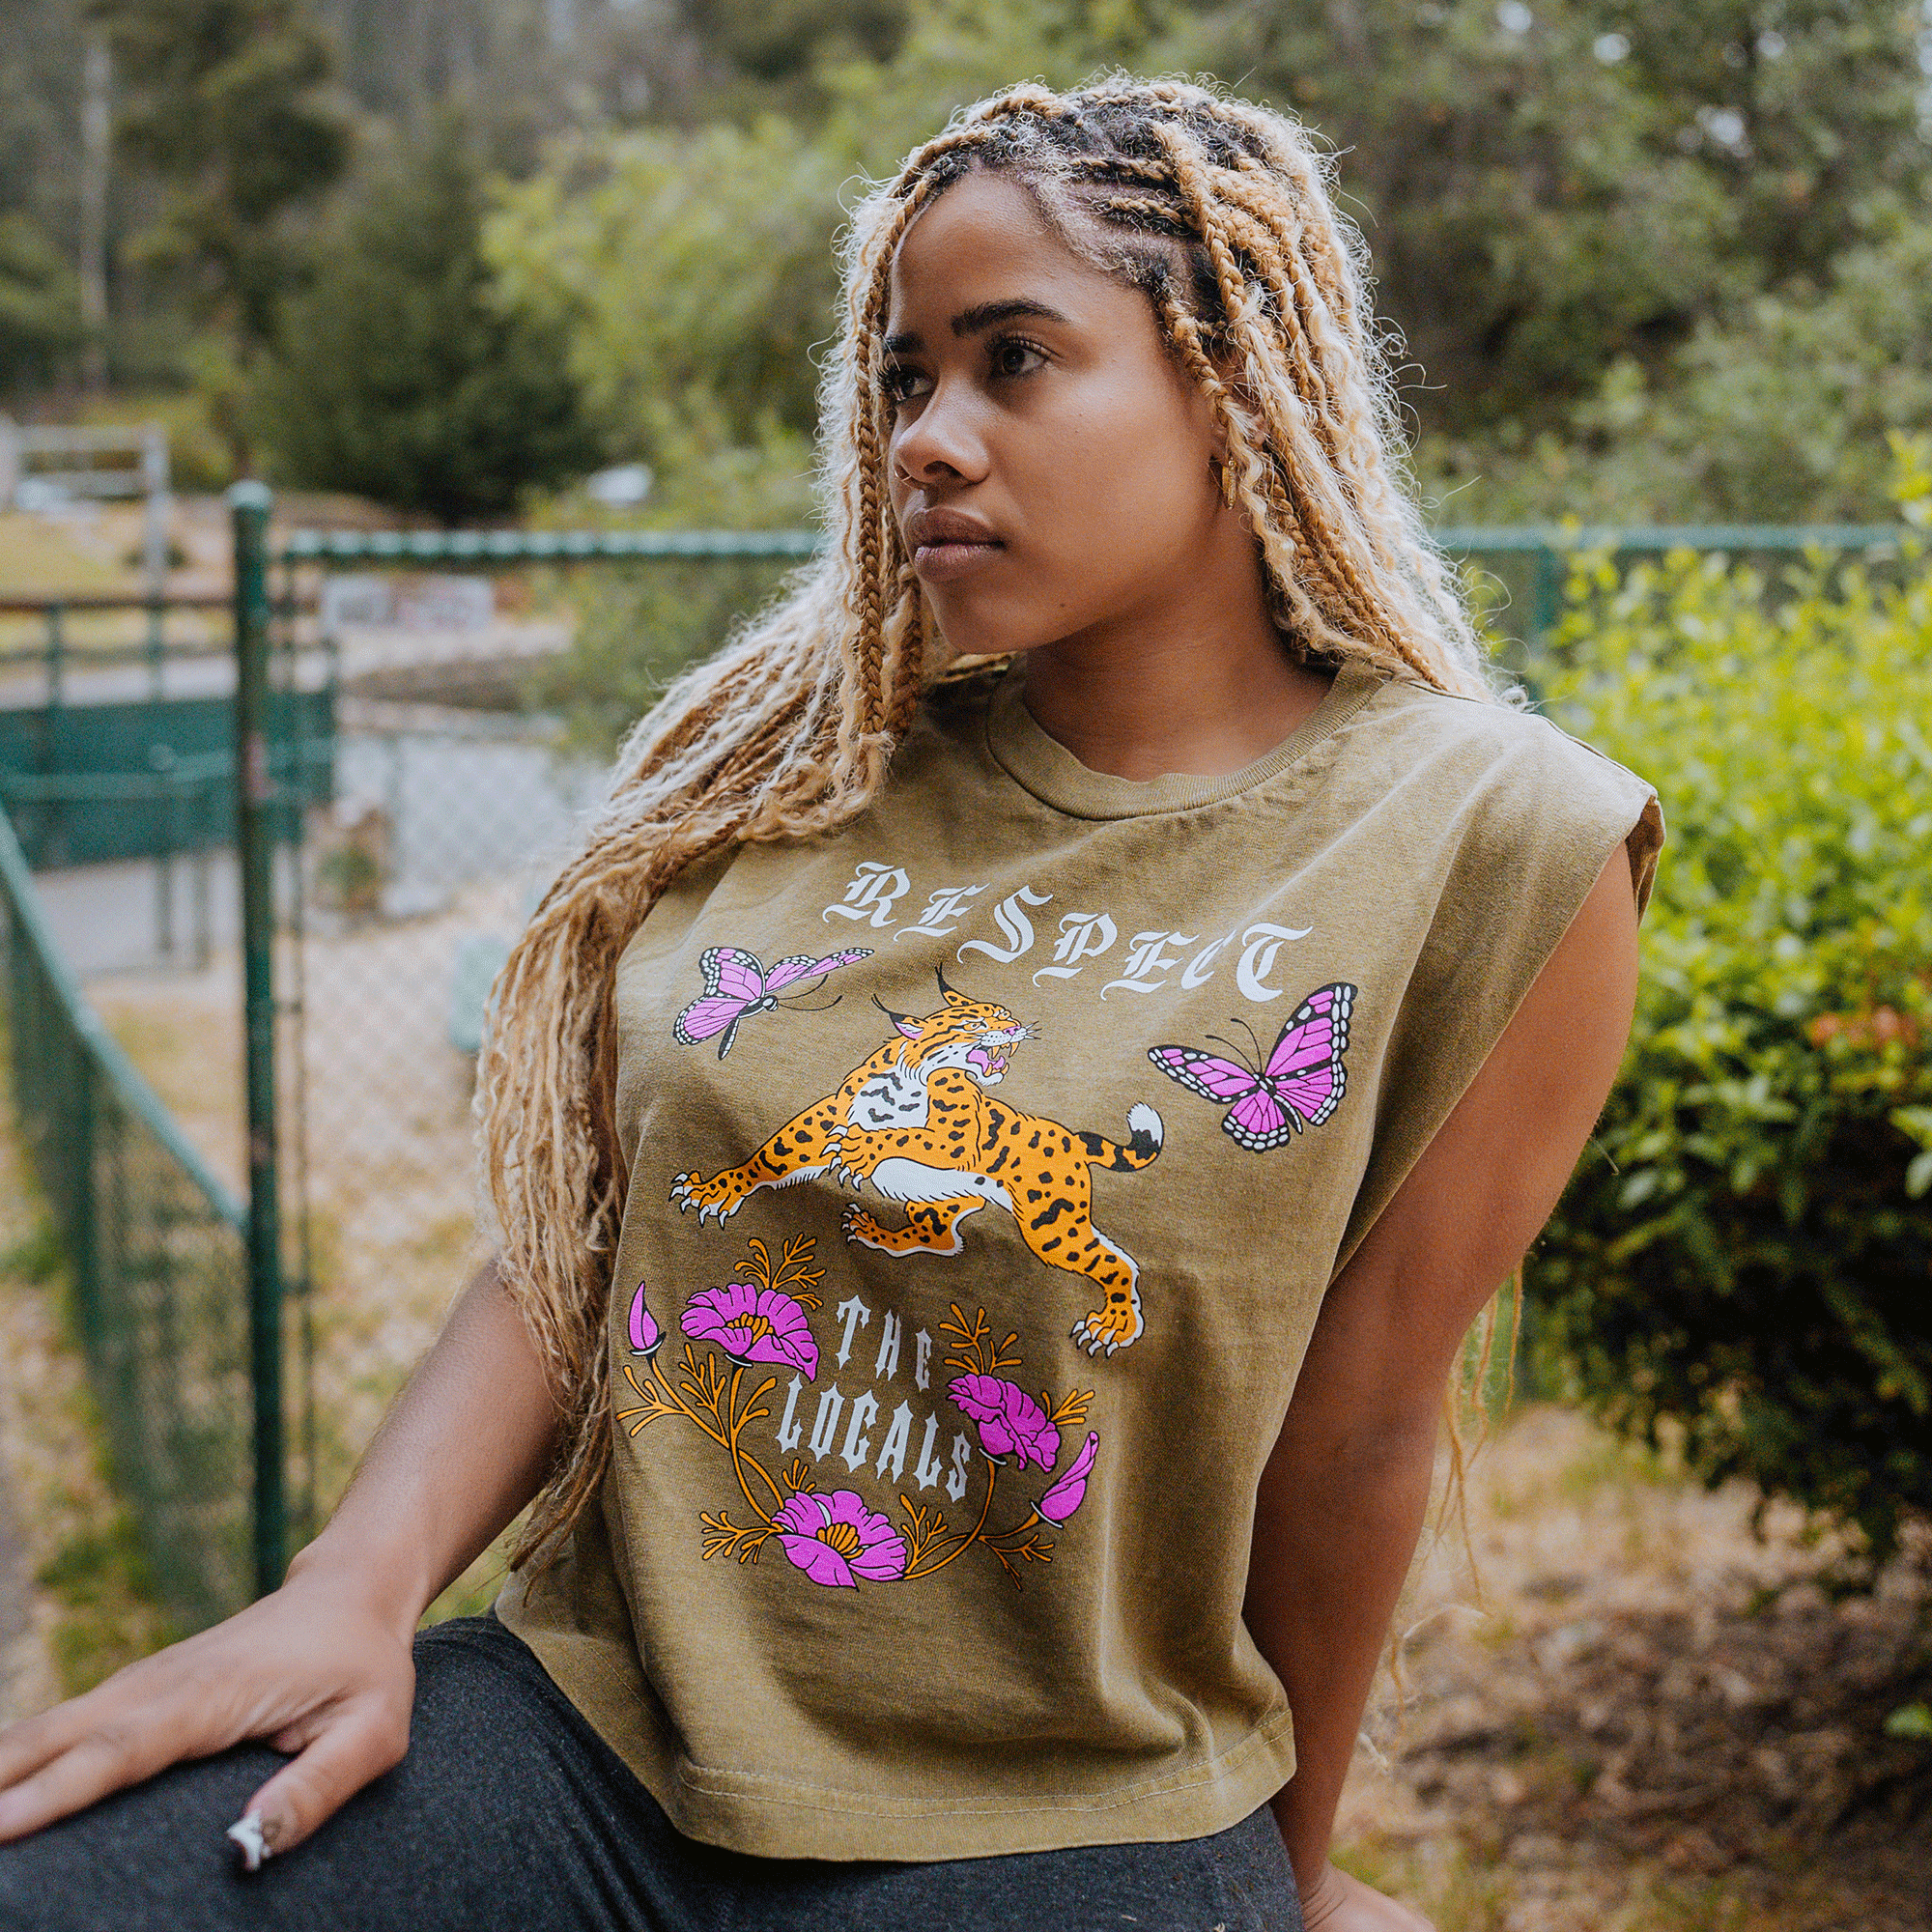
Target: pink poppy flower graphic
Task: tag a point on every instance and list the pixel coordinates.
(1071, 1491)
(836, 1540)
(1010, 1422)
(754, 1324)
(645, 1334)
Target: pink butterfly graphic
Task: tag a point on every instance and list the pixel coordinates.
(1300, 1085)
(736, 986)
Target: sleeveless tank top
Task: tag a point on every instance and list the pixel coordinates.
(988, 1162)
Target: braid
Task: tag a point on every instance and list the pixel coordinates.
(1219, 210)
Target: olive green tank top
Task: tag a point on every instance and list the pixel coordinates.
(989, 1159)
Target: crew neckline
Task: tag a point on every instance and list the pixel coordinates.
(1044, 767)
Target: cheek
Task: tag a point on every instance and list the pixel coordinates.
(1126, 482)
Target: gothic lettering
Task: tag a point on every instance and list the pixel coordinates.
(898, 1438)
(929, 1469)
(1261, 944)
(825, 1424)
(789, 1429)
(872, 894)
(855, 1315)
(865, 1412)
(887, 1366)
(1013, 923)
(1083, 935)
(949, 904)
(1147, 953)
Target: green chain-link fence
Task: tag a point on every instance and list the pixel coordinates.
(159, 1259)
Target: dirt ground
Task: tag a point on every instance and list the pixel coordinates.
(1643, 1715)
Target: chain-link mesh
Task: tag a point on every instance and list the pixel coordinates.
(433, 745)
(462, 769)
(159, 1277)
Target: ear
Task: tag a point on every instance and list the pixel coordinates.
(911, 1027)
(952, 998)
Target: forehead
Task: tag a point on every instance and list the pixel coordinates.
(983, 240)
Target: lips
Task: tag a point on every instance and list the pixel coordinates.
(987, 1060)
(947, 543)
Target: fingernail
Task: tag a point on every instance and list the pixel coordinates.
(251, 1843)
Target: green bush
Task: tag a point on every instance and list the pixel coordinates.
(1746, 1251)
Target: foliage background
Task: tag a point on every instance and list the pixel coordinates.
(1747, 1252)
(1648, 263)
(1665, 263)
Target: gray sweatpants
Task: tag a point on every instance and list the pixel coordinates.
(510, 1812)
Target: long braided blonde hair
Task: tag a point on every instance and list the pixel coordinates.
(1220, 210)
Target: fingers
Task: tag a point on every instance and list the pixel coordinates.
(369, 1738)
(66, 1760)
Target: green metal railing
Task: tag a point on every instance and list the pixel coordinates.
(159, 1257)
(1544, 549)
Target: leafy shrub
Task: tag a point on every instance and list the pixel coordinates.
(1748, 1247)
(635, 631)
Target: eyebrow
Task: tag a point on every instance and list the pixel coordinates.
(978, 319)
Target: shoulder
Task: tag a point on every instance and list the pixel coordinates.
(1511, 783)
(1484, 739)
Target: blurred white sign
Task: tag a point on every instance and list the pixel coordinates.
(356, 600)
(622, 488)
(445, 603)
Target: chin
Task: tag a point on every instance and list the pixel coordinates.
(986, 633)
(989, 621)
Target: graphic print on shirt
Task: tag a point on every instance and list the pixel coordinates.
(1299, 1085)
(764, 1315)
(915, 1120)
(736, 986)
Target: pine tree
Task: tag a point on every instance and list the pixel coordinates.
(399, 376)
(225, 101)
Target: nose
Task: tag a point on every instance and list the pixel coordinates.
(943, 442)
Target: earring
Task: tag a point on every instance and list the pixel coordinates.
(1226, 470)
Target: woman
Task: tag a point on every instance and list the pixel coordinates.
(1110, 969)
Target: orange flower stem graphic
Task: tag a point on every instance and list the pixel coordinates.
(739, 1457)
(725, 1426)
(971, 1536)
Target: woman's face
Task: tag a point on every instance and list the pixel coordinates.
(1051, 465)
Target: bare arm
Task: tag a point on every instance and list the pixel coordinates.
(1344, 1493)
(322, 1667)
(464, 1447)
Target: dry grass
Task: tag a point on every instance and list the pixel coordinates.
(80, 1580)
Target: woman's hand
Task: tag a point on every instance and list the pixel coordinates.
(1338, 1903)
(322, 1668)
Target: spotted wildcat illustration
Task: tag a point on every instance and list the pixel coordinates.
(916, 1119)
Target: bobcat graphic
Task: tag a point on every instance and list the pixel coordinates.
(915, 1120)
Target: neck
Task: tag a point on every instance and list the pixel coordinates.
(1201, 691)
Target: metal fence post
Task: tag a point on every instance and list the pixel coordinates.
(1546, 596)
(249, 503)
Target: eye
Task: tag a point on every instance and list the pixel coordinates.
(1010, 355)
(901, 383)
